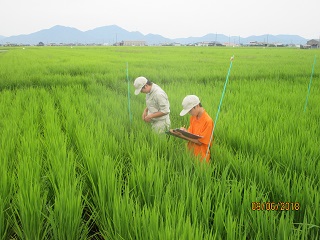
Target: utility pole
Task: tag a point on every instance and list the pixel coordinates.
(215, 43)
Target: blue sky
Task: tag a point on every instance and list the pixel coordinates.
(169, 18)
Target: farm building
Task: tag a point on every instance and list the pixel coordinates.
(133, 43)
(257, 44)
(313, 43)
(305, 46)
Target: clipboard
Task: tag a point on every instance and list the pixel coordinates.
(184, 133)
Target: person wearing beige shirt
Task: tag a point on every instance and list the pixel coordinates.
(157, 112)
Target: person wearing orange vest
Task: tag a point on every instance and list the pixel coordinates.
(200, 124)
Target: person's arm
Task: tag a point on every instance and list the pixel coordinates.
(163, 107)
(180, 135)
(145, 113)
(149, 117)
(196, 141)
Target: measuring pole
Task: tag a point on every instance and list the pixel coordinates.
(222, 95)
(314, 63)
(129, 110)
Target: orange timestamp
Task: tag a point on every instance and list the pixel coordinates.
(275, 206)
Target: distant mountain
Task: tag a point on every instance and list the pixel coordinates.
(284, 39)
(112, 34)
(56, 34)
(101, 35)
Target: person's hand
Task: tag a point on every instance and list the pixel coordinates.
(147, 118)
(144, 114)
(184, 129)
(176, 133)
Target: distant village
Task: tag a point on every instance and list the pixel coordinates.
(313, 43)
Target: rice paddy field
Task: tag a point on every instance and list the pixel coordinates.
(77, 162)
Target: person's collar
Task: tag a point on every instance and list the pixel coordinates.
(200, 113)
(152, 88)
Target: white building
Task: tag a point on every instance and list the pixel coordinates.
(133, 43)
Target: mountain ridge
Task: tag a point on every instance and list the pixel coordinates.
(112, 33)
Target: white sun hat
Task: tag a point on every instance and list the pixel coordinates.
(139, 84)
(188, 103)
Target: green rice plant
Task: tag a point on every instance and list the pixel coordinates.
(65, 214)
(8, 132)
(105, 198)
(6, 191)
(30, 222)
(29, 199)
